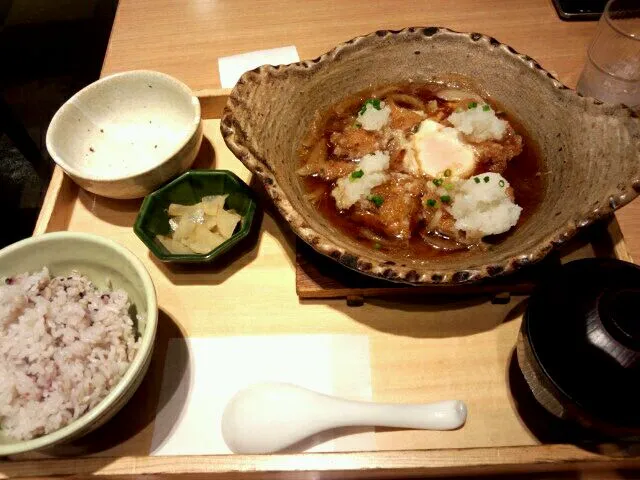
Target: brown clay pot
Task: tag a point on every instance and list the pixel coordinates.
(590, 151)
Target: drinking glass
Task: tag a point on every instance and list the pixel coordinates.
(612, 71)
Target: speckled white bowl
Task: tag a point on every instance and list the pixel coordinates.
(103, 261)
(125, 135)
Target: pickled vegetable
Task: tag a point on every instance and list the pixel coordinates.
(199, 228)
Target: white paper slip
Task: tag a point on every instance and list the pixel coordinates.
(193, 398)
(231, 68)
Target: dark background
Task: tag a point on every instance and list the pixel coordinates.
(49, 49)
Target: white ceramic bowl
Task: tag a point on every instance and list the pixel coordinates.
(126, 134)
(101, 260)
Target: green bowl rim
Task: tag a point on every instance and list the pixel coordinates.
(146, 343)
(220, 249)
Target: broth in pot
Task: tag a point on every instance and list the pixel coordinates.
(419, 170)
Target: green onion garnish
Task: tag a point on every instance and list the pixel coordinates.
(357, 125)
(476, 179)
(447, 172)
(448, 187)
(486, 179)
(473, 105)
(437, 181)
(431, 202)
(377, 246)
(374, 102)
(486, 108)
(355, 175)
(445, 198)
(377, 200)
(501, 183)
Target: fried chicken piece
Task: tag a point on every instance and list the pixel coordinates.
(329, 170)
(397, 158)
(403, 118)
(398, 147)
(494, 156)
(320, 165)
(440, 232)
(355, 142)
(399, 211)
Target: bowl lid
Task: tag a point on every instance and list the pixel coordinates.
(583, 325)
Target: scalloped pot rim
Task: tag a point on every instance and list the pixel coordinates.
(238, 142)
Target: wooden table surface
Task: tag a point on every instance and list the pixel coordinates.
(185, 38)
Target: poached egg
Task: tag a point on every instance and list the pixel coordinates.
(437, 148)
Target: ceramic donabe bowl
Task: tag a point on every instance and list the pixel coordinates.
(125, 135)
(589, 150)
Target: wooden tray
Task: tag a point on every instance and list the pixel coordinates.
(422, 349)
(319, 277)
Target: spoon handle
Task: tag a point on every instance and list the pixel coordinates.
(271, 416)
(447, 415)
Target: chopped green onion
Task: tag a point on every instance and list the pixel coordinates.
(501, 183)
(486, 108)
(447, 172)
(476, 179)
(431, 202)
(448, 187)
(377, 246)
(486, 179)
(473, 105)
(355, 175)
(377, 200)
(437, 181)
(374, 102)
(445, 198)
(357, 125)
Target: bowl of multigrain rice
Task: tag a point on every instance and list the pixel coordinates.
(78, 318)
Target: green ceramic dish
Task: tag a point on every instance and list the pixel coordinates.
(188, 189)
(102, 261)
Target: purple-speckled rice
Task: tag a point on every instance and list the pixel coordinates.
(63, 346)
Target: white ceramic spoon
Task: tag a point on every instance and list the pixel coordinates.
(269, 417)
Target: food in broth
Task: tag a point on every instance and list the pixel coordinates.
(420, 169)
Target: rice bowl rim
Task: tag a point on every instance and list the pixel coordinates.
(133, 371)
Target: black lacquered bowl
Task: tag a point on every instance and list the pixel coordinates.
(579, 346)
